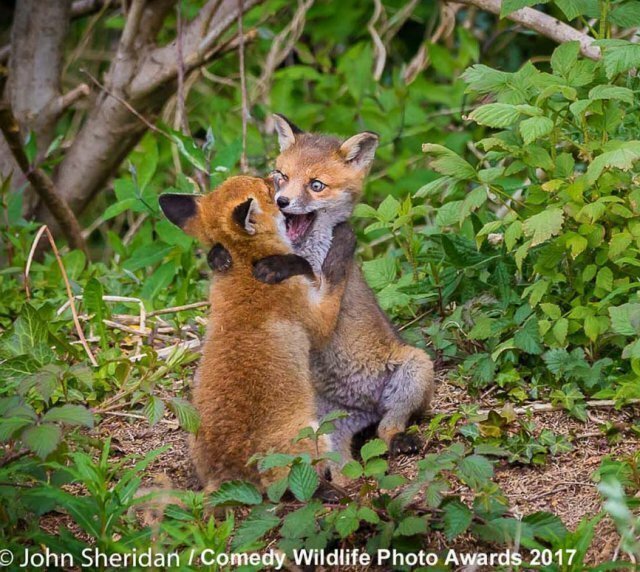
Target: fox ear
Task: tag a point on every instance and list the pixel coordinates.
(181, 210)
(244, 215)
(286, 130)
(359, 150)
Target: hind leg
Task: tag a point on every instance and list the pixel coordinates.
(408, 390)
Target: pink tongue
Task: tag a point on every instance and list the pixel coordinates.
(298, 226)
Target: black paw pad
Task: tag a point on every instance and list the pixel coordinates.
(266, 272)
(405, 444)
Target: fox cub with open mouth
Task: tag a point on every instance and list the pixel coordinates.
(253, 386)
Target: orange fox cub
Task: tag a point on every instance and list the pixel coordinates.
(253, 385)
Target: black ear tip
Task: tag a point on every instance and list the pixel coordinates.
(178, 208)
(290, 123)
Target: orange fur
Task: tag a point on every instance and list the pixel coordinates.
(253, 385)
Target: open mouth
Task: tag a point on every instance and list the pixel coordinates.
(298, 225)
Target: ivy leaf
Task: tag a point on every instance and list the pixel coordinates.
(70, 415)
(303, 481)
(534, 128)
(544, 225)
(234, 493)
(457, 518)
(42, 439)
(447, 162)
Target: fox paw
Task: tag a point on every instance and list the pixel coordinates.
(405, 444)
(219, 258)
(265, 271)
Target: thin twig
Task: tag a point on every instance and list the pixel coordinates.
(380, 55)
(180, 105)
(177, 309)
(547, 407)
(76, 321)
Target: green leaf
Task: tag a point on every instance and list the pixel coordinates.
(527, 338)
(189, 150)
(475, 471)
(42, 439)
(509, 6)
(303, 481)
(448, 162)
(147, 255)
(572, 9)
(622, 158)
(412, 525)
(373, 448)
(347, 521)
(625, 319)
(70, 415)
(564, 58)
(188, 417)
(544, 225)
(234, 493)
(388, 209)
(612, 92)
(457, 518)
(375, 467)
(495, 115)
(380, 272)
(534, 128)
(153, 409)
(604, 279)
(619, 59)
(10, 425)
(560, 330)
(353, 470)
(261, 520)
(119, 207)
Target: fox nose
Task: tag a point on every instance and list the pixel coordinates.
(282, 202)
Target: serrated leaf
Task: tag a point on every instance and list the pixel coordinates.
(42, 439)
(375, 467)
(448, 162)
(353, 470)
(544, 225)
(11, 425)
(560, 330)
(457, 518)
(495, 115)
(619, 59)
(475, 470)
(625, 319)
(254, 527)
(622, 158)
(95, 306)
(527, 338)
(388, 209)
(70, 415)
(187, 415)
(347, 521)
(534, 128)
(303, 481)
(153, 409)
(373, 448)
(611, 92)
(604, 279)
(572, 8)
(234, 493)
(412, 525)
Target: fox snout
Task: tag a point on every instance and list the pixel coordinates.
(282, 202)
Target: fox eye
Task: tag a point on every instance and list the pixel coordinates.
(278, 179)
(316, 185)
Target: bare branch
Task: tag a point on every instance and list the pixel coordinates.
(40, 181)
(243, 89)
(543, 24)
(132, 25)
(380, 52)
(199, 41)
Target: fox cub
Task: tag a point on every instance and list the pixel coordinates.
(253, 386)
(366, 368)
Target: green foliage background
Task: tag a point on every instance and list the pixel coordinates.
(500, 227)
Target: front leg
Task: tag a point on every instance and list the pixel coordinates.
(338, 260)
(219, 258)
(278, 267)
